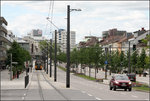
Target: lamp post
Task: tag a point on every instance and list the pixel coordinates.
(50, 58)
(129, 65)
(55, 63)
(47, 59)
(68, 45)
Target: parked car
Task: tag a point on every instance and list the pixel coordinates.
(120, 81)
(132, 77)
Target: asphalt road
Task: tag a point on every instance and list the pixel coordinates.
(100, 91)
(42, 87)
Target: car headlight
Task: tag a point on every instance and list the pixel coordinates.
(130, 83)
(116, 82)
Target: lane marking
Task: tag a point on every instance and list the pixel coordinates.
(22, 98)
(98, 98)
(134, 96)
(123, 93)
(89, 94)
(83, 91)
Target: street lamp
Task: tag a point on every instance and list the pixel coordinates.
(129, 67)
(68, 45)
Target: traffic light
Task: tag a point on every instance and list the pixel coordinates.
(134, 47)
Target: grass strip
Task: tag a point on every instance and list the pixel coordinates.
(80, 75)
(142, 88)
(86, 77)
(62, 68)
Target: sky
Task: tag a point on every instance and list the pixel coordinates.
(95, 17)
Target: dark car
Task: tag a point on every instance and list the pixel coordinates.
(132, 77)
(120, 81)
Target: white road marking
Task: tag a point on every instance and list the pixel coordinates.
(24, 94)
(89, 94)
(134, 96)
(83, 91)
(98, 98)
(123, 93)
(22, 98)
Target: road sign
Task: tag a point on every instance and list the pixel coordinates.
(14, 62)
(106, 62)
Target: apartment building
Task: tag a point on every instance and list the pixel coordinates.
(62, 39)
(5, 41)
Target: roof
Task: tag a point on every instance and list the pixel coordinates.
(3, 20)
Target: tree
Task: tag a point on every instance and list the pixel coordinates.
(134, 59)
(142, 59)
(19, 55)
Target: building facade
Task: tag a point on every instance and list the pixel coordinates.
(5, 42)
(62, 39)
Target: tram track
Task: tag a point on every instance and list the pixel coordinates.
(59, 92)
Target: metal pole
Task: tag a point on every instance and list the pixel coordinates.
(68, 48)
(129, 59)
(55, 71)
(110, 62)
(106, 50)
(11, 66)
(50, 57)
(47, 59)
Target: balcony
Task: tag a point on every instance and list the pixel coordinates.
(3, 29)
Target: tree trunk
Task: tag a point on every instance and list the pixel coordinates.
(76, 68)
(85, 70)
(81, 69)
(95, 72)
(89, 71)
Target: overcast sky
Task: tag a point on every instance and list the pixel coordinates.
(95, 17)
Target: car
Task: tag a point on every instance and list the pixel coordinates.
(132, 77)
(120, 81)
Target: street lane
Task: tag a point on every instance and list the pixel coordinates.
(101, 90)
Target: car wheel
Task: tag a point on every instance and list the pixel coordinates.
(114, 88)
(111, 88)
(130, 89)
(125, 89)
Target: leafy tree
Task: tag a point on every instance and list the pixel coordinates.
(142, 59)
(19, 55)
(134, 59)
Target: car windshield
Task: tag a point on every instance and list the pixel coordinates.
(121, 77)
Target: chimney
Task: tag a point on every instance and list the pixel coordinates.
(143, 29)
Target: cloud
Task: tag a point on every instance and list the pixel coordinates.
(95, 17)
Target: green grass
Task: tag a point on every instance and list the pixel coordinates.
(62, 68)
(142, 88)
(86, 77)
(80, 75)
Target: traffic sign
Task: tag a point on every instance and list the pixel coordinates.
(14, 62)
(106, 62)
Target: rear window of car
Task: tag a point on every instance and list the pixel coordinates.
(121, 77)
(131, 75)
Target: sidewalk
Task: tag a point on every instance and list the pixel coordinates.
(101, 74)
(15, 83)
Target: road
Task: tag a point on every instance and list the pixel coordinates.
(101, 91)
(42, 87)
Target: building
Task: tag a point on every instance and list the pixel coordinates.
(113, 32)
(62, 39)
(33, 38)
(5, 42)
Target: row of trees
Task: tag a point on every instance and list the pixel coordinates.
(19, 55)
(95, 56)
